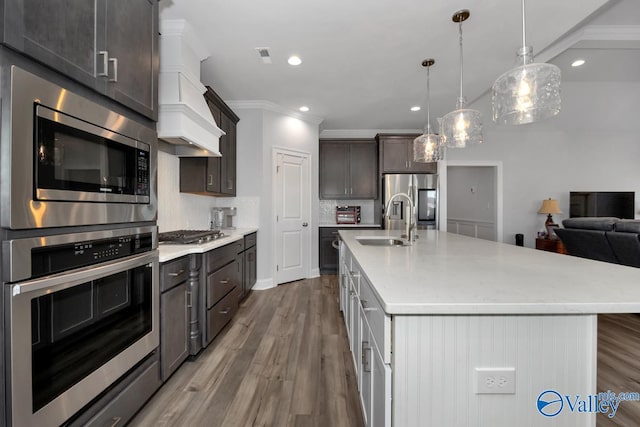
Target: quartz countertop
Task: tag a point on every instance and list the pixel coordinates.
(445, 273)
(169, 251)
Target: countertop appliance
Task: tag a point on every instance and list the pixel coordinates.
(423, 190)
(68, 161)
(184, 237)
(82, 311)
(347, 214)
(223, 218)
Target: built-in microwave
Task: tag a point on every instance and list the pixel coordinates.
(71, 161)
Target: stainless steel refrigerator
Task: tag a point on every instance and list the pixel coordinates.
(423, 190)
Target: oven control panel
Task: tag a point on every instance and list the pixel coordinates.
(58, 258)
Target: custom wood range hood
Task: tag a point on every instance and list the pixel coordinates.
(184, 118)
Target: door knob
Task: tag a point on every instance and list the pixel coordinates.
(304, 224)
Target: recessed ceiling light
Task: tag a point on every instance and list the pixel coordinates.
(415, 108)
(294, 60)
(577, 62)
(304, 108)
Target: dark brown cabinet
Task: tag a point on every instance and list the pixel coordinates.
(213, 176)
(224, 283)
(396, 155)
(348, 169)
(250, 263)
(328, 251)
(109, 45)
(174, 315)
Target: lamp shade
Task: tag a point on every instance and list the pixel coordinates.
(549, 206)
(426, 148)
(461, 127)
(526, 94)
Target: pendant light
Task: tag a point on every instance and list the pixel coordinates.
(462, 126)
(529, 92)
(427, 147)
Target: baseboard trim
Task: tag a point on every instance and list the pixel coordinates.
(262, 284)
(315, 272)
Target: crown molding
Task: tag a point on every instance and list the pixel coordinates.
(362, 133)
(592, 34)
(271, 106)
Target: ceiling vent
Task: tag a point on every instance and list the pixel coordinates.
(264, 54)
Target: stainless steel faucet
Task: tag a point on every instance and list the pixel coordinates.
(410, 223)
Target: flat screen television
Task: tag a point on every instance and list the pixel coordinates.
(619, 204)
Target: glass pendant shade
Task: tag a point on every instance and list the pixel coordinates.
(426, 148)
(527, 93)
(462, 126)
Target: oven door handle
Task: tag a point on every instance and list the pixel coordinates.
(67, 279)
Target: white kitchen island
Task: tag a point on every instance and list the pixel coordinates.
(425, 320)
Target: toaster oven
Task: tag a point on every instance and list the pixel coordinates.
(347, 214)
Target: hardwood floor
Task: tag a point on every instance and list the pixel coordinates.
(284, 361)
(619, 365)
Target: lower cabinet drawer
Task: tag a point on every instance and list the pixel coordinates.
(378, 320)
(221, 313)
(220, 282)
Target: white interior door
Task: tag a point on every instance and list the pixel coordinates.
(293, 202)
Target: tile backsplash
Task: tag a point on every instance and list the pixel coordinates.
(328, 210)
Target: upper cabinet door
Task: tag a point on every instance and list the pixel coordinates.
(395, 155)
(110, 46)
(334, 170)
(59, 33)
(132, 46)
(363, 159)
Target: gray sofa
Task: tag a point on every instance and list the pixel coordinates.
(603, 239)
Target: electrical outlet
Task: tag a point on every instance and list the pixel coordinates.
(496, 380)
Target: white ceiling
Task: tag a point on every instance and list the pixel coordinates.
(361, 58)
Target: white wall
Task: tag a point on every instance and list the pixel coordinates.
(177, 211)
(258, 132)
(592, 145)
(471, 193)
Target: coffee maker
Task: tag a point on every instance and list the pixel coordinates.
(222, 218)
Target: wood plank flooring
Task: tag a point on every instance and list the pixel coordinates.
(619, 365)
(283, 361)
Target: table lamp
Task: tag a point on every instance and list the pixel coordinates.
(549, 206)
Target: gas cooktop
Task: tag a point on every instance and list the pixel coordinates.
(184, 237)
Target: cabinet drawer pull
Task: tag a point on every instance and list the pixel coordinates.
(105, 63)
(355, 274)
(176, 274)
(115, 70)
(115, 421)
(223, 282)
(225, 311)
(210, 182)
(365, 359)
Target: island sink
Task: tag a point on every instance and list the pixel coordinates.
(380, 241)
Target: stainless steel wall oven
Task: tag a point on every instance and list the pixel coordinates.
(69, 161)
(82, 310)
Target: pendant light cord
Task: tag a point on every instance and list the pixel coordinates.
(524, 33)
(461, 64)
(428, 103)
